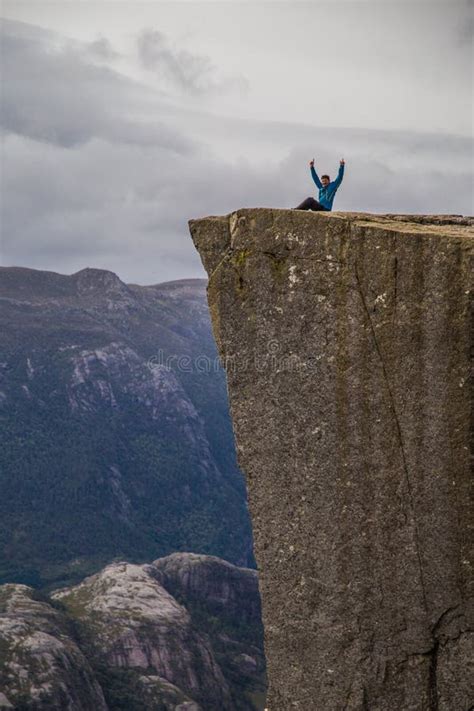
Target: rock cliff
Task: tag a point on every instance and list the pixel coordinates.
(122, 640)
(346, 339)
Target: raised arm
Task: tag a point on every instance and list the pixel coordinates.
(340, 174)
(314, 175)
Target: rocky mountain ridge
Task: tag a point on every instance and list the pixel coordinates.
(121, 640)
(347, 339)
(115, 434)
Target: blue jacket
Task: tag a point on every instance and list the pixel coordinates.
(326, 195)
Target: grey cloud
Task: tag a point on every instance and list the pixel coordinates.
(185, 70)
(121, 199)
(102, 49)
(52, 93)
(466, 33)
(93, 212)
(466, 24)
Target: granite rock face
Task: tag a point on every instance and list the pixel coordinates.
(137, 624)
(346, 339)
(122, 640)
(41, 666)
(223, 589)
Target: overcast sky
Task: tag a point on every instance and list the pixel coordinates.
(122, 120)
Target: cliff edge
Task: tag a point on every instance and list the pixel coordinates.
(346, 338)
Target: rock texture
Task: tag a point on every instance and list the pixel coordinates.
(41, 666)
(223, 589)
(346, 339)
(138, 625)
(121, 640)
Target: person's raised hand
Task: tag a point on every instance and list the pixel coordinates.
(311, 162)
(342, 161)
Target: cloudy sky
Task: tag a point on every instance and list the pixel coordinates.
(122, 120)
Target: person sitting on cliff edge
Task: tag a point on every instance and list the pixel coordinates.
(327, 190)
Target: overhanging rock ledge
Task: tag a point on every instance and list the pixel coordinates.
(347, 339)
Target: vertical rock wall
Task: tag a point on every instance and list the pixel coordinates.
(346, 338)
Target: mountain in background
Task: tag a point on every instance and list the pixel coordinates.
(180, 634)
(106, 451)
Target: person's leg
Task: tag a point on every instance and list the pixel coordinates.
(310, 204)
(307, 204)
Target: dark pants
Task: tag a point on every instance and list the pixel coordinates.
(311, 204)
